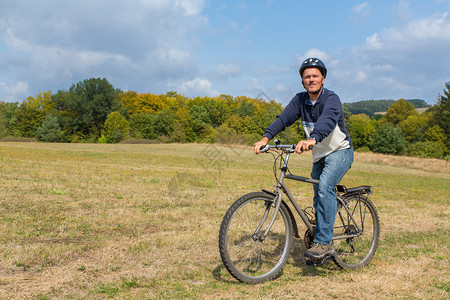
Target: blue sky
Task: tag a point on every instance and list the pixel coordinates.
(373, 49)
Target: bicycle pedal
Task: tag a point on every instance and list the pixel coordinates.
(317, 262)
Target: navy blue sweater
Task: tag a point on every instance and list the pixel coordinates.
(322, 120)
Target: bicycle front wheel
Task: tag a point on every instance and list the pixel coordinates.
(246, 255)
(356, 232)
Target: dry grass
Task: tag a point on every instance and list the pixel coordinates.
(141, 221)
(428, 165)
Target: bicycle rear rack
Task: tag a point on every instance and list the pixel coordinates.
(363, 189)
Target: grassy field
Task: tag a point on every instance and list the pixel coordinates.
(141, 221)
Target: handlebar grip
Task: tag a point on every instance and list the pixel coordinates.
(295, 145)
(264, 148)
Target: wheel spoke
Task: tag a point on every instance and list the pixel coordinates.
(248, 259)
(359, 220)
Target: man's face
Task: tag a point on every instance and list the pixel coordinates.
(312, 80)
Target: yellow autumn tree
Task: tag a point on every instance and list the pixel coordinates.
(32, 111)
(142, 103)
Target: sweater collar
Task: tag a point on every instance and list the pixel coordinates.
(310, 102)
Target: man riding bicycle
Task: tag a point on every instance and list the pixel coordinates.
(323, 122)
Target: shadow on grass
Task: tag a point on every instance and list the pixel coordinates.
(309, 270)
(220, 273)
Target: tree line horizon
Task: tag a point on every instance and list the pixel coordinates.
(94, 111)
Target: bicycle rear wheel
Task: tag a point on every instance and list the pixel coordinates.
(246, 256)
(356, 232)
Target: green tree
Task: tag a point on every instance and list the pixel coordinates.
(236, 122)
(49, 130)
(101, 99)
(141, 126)
(9, 112)
(2, 120)
(362, 130)
(73, 116)
(372, 108)
(245, 107)
(414, 126)
(269, 114)
(368, 107)
(218, 111)
(116, 128)
(184, 129)
(400, 111)
(347, 113)
(254, 125)
(174, 100)
(436, 134)
(441, 115)
(289, 136)
(164, 123)
(388, 139)
(426, 150)
(200, 116)
(32, 111)
(84, 108)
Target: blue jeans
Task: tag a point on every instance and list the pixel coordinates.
(329, 171)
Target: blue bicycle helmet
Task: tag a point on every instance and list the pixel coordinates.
(313, 63)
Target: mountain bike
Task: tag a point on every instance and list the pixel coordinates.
(257, 231)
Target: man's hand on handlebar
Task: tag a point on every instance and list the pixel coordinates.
(257, 146)
(305, 145)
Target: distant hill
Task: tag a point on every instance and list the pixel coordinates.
(370, 107)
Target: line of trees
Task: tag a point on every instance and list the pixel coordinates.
(372, 108)
(94, 111)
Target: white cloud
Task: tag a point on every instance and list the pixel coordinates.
(227, 70)
(152, 45)
(89, 58)
(433, 29)
(191, 7)
(417, 42)
(15, 91)
(373, 42)
(360, 76)
(398, 62)
(132, 43)
(402, 10)
(360, 11)
(281, 88)
(198, 87)
(256, 87)
(322, 55)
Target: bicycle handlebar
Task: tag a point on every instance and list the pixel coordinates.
(287, 148)
(290, 148)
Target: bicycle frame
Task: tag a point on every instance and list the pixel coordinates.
(281, 188)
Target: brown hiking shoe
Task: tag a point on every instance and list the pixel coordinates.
(319, 251)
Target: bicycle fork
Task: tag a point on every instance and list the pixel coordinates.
(257, 236)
